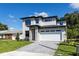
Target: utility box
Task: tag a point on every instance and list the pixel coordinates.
(77, 50)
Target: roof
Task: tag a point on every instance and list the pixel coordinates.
(38, 17)
(10, 31)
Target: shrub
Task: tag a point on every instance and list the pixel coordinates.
(17, 37)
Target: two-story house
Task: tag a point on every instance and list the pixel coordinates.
(44, 28)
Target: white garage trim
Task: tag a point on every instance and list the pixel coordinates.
(50, 35)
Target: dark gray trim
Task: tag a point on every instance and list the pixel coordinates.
(38, 17)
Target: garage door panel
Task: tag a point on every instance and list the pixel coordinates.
(49, 37)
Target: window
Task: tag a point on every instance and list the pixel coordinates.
(28, 22)
(61, 23)
(52, 30)
(37, 20)
(42, 30)
(58, 30)
(47, 19)
(47, 30)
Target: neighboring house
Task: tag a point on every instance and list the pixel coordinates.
(9, 34)
(44, 28)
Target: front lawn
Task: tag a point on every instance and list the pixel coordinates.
(66, 49)
(10, 45)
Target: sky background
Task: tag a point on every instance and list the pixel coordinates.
(10, 14)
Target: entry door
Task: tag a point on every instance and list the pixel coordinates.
(33, 34)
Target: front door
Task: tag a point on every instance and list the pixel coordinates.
(33, 35)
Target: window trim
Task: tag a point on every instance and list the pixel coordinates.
(58, 30)
(47, 19)
(37, 20)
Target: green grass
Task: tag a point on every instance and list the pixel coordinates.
(66, 49)
(10, 45)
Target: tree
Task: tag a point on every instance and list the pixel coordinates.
(3, 27)
(72, 20)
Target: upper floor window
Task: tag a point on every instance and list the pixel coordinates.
(58, 30)
(37, 20)
(61, 23)
(47, 19)
(28, 22)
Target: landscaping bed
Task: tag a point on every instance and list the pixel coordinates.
(66, 49)
(10, 45)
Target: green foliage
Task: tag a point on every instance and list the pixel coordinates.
(72, 33)
(66, 49)
(10, 45)
(72, 20)
(17, 37)
(3, 27)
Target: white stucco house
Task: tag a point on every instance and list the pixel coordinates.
(10, 34)
(44, 28)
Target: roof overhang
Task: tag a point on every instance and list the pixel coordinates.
(33, 25)
(25, 18)
(10, 32)
(54, 26)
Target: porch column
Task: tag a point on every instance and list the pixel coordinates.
(30, 35)
(36, 34)
(24, 29)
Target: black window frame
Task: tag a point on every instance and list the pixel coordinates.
(61, 23)
(58, 30)
(52, 30)
(47, 19)
(37, 20)
(28, 22)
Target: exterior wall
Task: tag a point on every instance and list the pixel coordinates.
(63, 36)
(9, 36)
(3, 36)
(0, 36)
(21, 36)
(52, 36)
(36, 34)
(53, 22)
(24, 29)
(42, 23)
(33, 22)
(30, 35)
(14, 37)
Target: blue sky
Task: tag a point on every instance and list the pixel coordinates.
(10, 13)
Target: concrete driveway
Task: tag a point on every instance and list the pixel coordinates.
(35, 49)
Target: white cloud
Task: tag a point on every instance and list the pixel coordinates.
(11, 28)
(44, 14)
(75, 5)
(11, 16)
